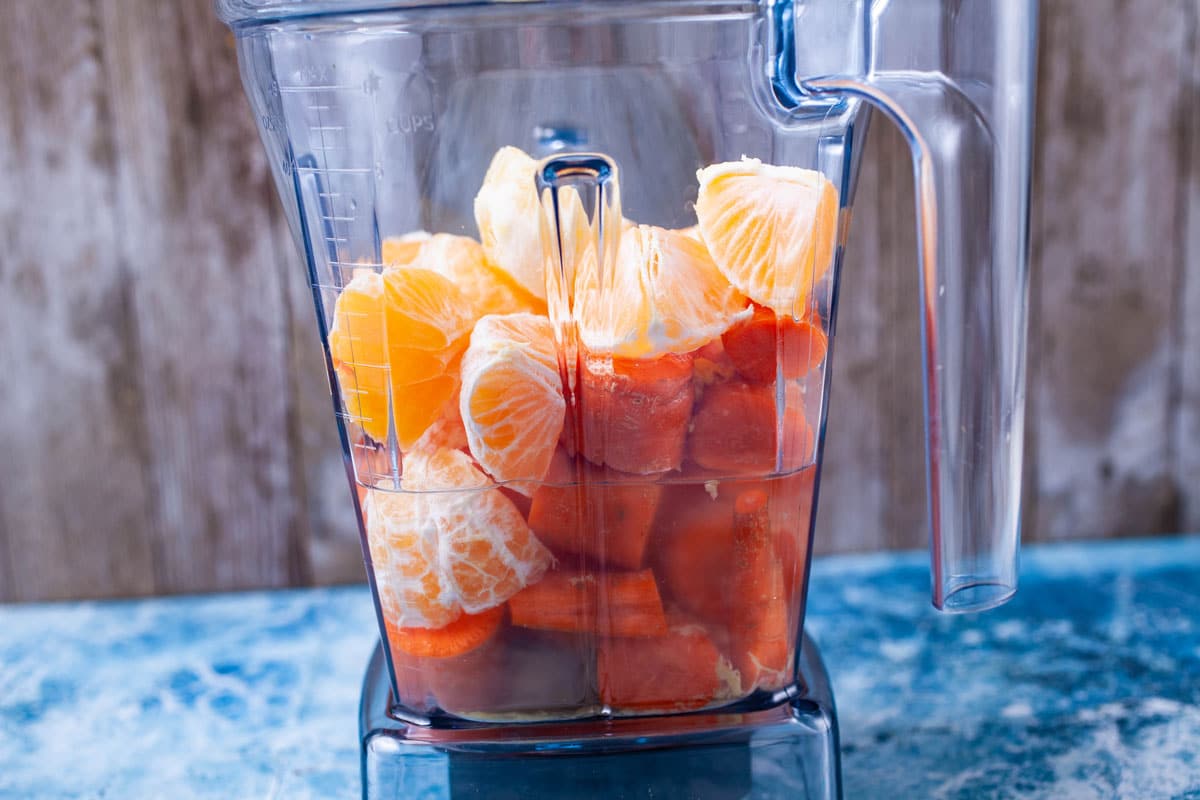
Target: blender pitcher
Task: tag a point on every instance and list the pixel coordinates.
(575, 268)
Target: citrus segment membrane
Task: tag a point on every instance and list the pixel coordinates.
(508, 214)
(357, 347)
(770, 230)
(665, 295)
(450, 543)
(461, 259)
(400, 332)
(511, 402)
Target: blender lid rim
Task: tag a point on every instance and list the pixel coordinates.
(241, 13)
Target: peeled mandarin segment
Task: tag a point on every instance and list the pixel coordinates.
(680, 671)
(445, 432)
(734, 430)
(450, 542)
(397, 251)
(511, 403)
(507, 211)
(486, 552)
(765, 346)
(607, 517)
(770, 230)
(467, 633)
(403, 542)
(665, 296)
(356, 345)
(425, 311)
(417, 406)
(634, 414)
(462, 260)
(427, 322)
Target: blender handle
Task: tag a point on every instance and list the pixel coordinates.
(971, 168)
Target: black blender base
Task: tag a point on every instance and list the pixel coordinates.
(790, 751)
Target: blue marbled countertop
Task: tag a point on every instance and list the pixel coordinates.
(1086, 685)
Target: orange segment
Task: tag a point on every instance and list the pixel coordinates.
(462, 260)
(403, 541)
(486, 549)
(397, 251)
(508, 213)
(665, 296)
(356, 344)
(450, 542)
(512, 404)
(425, 311)
(770, 230)
(467, 633)
(401, 332)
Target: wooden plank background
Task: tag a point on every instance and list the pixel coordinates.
(166, 426)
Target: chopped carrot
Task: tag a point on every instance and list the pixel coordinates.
(606, 517)
(764, 345)
(634, 414)
(791, 520)
(467, 633)
(630, 605)
(560, 601)
(692, 549)
(759, 623)
(734, 430)
(676, 672)
(611, 604)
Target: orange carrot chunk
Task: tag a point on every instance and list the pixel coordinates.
(759, 624)
(675, 672)
(734, 430)
(467, 633)
(634, 413)
(607, 517)
(561, 601)
(630, 606)
(692, 549)
(764, 345)
(612, 604)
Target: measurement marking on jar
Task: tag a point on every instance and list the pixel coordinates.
(315, 88)
(360, 265)
(337, 170)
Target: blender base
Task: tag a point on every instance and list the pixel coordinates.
(788, 751)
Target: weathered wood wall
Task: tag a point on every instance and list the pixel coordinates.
(165, 426)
